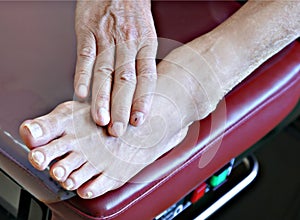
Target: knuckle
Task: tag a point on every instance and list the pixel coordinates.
(83, 75)
(106, 70)
(148, 51)
(127, 76)
(150, 42)
(102, 97)
(128, 32)
(87, 53)
(146, 30)
(142, 102)
(148, 74)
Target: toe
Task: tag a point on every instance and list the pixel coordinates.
(98, 186)
(80, 176)
(42, 156)
(42, 130)
(31, 132)
(64, 167)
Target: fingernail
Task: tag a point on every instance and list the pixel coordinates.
(117, 128)
(137, 118)
(88, 195)
(58, 173)
(69, 184)
(82, 90)
(104, 116)
(34, 129)
(38, 157)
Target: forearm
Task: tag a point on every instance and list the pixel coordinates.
(252, 35)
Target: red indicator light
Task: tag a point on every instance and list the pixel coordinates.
(198, 193)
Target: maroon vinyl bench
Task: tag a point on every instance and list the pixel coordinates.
(38, 52)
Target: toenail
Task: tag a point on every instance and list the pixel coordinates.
(104, 116)
(138, 118)
(88, 195)
(58, 172)
(69, 184)
(38, 157)
(34, 129)
(117, 128)
(82, 90)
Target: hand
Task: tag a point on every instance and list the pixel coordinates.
(83, 157)
(117, 45)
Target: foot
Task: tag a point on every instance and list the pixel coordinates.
(86, 158)
(83, 157)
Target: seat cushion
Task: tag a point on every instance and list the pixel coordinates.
(247, 113)
(37, 67)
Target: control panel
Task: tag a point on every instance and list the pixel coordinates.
(210, 195)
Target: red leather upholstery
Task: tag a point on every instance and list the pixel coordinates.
(252, 110)
(36, 73)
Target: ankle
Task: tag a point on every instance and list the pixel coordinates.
(197, 73)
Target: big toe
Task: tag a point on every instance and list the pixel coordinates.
(42, 130)
(39, 131)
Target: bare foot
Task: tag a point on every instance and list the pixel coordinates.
(87, 158)
(82, 156)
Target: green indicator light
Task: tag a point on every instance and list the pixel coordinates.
(217, 180)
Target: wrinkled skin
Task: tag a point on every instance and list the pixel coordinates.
(191, 81)
(116, 48)
(90, 161)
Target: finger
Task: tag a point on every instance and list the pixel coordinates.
(123, 88)
(102, 82)
(86, 54)
(146, 83)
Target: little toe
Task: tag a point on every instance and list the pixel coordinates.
(42, 156)
(80, 176)
(63, 168)
(98, 186)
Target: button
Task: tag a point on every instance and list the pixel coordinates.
(198, 193)
(216, 180)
